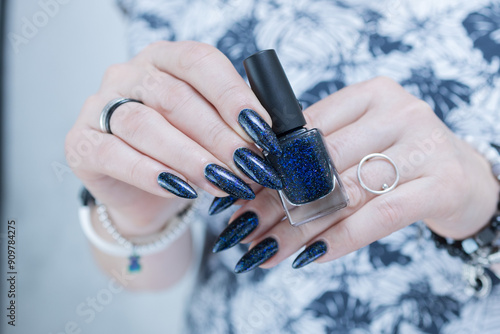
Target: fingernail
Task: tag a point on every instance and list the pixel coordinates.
(311, 253)
(220, 204)
(228, 182)
(236, 231)
(176, 185)
(262, 252)
(257, 168)
(260, 132)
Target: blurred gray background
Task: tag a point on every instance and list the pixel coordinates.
(49, 74)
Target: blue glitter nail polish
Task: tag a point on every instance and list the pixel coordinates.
(262, 252)
(220, 204)
(257, 168)
(311, 253)
(176, 185)
(305, 167)
(260, 132)
(228, 182)
(236, 231)
(311, 186)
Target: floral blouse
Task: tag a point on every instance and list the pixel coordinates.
(445, 52)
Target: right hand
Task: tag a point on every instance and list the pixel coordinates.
(192, 96)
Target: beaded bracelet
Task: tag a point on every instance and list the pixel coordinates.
(133, 249)
(483, 249)
(478, 252)
(468, 249)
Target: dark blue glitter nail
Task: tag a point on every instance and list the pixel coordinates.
(257, 168)
(260, 132)
(176, 185)
(304, 166)
(238, 230)
(311, 253)
(220, 204)
(262, 252)
(228, 182)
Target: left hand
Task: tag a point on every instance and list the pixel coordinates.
(443, 180)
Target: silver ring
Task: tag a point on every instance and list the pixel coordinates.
(109, 109)
(385, 187)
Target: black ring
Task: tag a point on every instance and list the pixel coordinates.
(108, 111)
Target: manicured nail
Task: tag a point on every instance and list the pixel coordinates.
(220, 204)
(236, 231)
(262, 252)
(228, 182)
(260, 132)
(176, 185)
(311, 253)
(256, 168)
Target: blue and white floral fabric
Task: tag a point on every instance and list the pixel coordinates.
(446, 52)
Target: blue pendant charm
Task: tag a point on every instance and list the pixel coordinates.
(134, 265)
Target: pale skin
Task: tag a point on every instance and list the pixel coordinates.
(192, 97)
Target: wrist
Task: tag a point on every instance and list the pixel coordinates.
(104, 235)
(130, 224)
(489, 186)
(482, 249)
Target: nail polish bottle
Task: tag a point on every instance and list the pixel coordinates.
(311, 185)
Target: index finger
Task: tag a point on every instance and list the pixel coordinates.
(213, 75)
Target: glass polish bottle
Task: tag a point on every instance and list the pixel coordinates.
(312, 186)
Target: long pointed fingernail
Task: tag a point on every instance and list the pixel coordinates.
(260, 132)
(257, 168)
(176, 185)
(311, 253)
(220, 204)
(228, 182)
(262, 252)
(238, 230)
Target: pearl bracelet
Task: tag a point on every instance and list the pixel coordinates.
(136, 247)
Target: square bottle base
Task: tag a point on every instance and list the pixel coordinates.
(300, 214)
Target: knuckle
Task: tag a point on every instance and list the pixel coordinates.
(115, 73)
(383, 86)
(219, 134)
(92, 103)
(390, 214)
(334, 145)
(134, 171)
(312, 119)
(232, 91)
(422, 106)
(417, 109)
(176, 96)
(155, 47)
(147, 54)
(78, 150)
(356, 194)
(384, 82)
(104, 152)
(349, 236)
(273, 202)
(196, 54)
(302, 233)
(131, 122)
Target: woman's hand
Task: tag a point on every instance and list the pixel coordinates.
(191, 96)
(443, 181)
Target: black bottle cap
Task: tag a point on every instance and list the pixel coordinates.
(271, 86)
